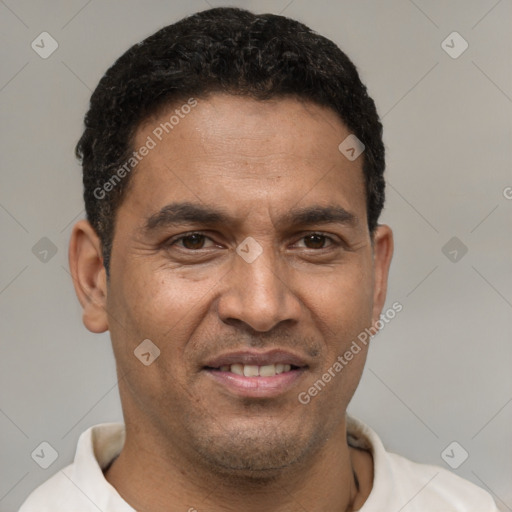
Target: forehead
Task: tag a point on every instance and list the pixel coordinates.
(242, 153)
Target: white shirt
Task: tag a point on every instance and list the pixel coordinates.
(399, 484)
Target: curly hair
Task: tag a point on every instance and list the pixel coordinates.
(227, 50)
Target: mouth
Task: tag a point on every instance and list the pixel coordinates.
(256, 374)
(252, 370)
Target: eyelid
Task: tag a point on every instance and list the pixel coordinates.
(173, 240)
(333, 239)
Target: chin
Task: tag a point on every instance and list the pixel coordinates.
(257, 454)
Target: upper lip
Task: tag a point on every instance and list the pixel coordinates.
(276, 356)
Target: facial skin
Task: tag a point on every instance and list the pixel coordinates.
(191, 440)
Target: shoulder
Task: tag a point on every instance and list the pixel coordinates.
(56, 494)
(81, 485)
(401, 484)
(425, 485)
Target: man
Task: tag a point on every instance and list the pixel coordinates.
(233, 172)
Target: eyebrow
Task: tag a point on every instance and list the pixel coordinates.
(185, 212)
(180, 213)
(318, 214)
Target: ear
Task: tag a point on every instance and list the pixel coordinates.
(89, 276)
(382, 254)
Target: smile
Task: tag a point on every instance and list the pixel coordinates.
(251, 370)
(256, 374)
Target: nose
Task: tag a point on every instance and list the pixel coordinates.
(258, 294)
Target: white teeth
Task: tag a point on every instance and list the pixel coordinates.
(238, 369)
(267, 371)
(251, 370)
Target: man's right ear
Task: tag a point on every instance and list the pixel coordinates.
(89, 276)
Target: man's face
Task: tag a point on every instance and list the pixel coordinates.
(235, 168)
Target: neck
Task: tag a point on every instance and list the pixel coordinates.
(336, 478)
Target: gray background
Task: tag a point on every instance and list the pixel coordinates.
(439, 372)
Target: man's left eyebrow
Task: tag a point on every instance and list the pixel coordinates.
(318, 214)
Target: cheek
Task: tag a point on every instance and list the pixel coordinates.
(342, 301)
(163, 306)
(165, 310)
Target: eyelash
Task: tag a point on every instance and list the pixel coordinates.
(173, 241)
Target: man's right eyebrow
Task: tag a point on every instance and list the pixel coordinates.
(179, 213)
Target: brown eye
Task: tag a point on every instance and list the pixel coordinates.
(194, 241)
(315, 241)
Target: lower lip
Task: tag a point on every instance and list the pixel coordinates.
(257, 387)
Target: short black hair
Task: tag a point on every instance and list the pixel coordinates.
(227, 50)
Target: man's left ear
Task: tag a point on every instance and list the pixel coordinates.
(382, 254)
